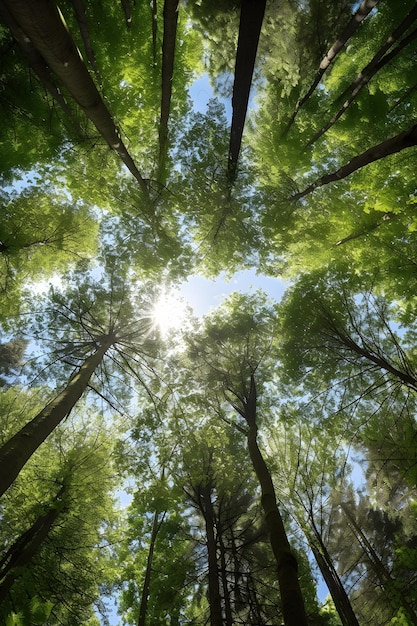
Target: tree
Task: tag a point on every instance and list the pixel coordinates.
(361, 13)
(168, 55)
(92, 322)
(251, 16)
(45, 28)
(405, 139)
(331, 373)
(234, 350)
(56, 550)
(353, 335)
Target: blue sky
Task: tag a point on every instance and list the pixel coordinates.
(203, 294)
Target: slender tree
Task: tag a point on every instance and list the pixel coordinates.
(356, 20)
(405, 139)
(168, 57)
(379, 60)
(292, 601)
(20, 553)
(43, 24)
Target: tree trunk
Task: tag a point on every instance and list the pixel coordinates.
(15, 453)
(38, 65)
(79, 12)
(225, 583)
(406, 139)
(332, 579)
(363, 10)
(251, 17)
(127, 12)
(156, 525)
(26, 546)
(168, 56)
(291, 598)
(376, 64)
(382, 573)
(43, 24)
(406, 377)
(207, 509)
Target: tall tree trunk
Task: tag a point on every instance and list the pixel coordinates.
(168, 56)
(382, 573)
(15, 453)
(127, 12)
(43, 24)
(25, 547)
(406, 139)
(154, 29)
(332, 579)
(251, 17)
(206, 506)
(292, 601)
(79, 12)
(38, 65)
(356, 20)
(225, 583)
(156, 525)
(379, 60)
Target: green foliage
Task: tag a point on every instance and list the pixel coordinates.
(62, 580)
(71, 212)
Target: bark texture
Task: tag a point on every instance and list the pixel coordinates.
(43, 25)
(15, 453)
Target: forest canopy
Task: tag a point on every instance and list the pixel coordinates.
(254, 465)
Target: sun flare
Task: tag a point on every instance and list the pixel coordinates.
(169, 313)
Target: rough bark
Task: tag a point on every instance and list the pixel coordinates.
(168, 57)
(356, 20)
(42, 23)
(406, 139)
(15, 453)
(251, 17)
(291, 598)
(25, 547)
